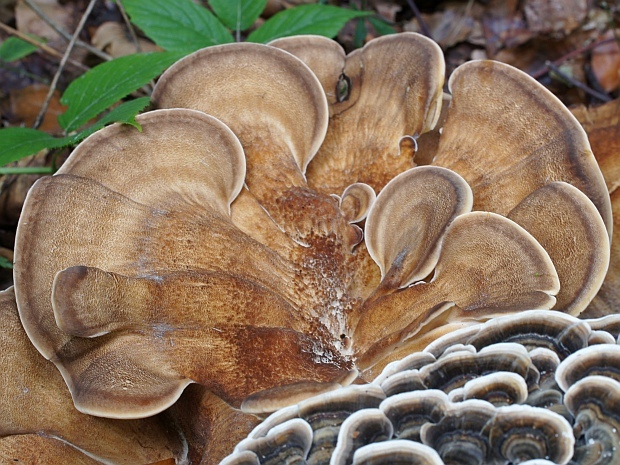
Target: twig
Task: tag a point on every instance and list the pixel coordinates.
(575, 53)
(423, 26)
(95, 51)
(61, 66)
(602, 97)
(46, 48)
(132, 32)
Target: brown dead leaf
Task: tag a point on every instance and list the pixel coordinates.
(387, 9)
(504, 26)
(114, 39)
(26, 104)
(458, 22)
(605, 63)
(555, 16)
(29, 22)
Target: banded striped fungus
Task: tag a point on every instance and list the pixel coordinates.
(221, 245)
(424, 414)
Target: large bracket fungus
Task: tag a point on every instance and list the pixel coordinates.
(269, 237)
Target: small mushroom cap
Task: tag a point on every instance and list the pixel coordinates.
(594, 402)
(533, 137)
(363, 427)
(601, 359)
(396, 452)
(408, 219)
(390, 88)
(356, 201)
(289, 441)
(409, 411)
(569, 227)
(459, 436)
(520, 432)
(500, 388)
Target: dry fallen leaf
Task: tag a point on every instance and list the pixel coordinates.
(555, 16)
(26, 104)
(606, 63)
(114, 39)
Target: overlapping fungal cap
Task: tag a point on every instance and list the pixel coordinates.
(40, 425)
(362, 143)
(144, 302)
(239, 247)
(472, 399)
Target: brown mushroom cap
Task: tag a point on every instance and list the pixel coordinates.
(569, 227)
(356, 201)
(408, 219)
(35, 400)
(377, 95)
(488, 265)
(178, 249)
(532, 137)
(599, 360)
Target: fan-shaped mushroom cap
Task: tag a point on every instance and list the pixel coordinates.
(410, 410)
(500, 268)
(180, 255)
(556, 331)
(519, 432)
(408, 219)
(594, 402)
(569, 227)
(363, 427)
(499, 388)
(533, 138)
(600, 360)
(35, 400)
(396, 452)
(401, 74)
(356, 201)
(288, 442)
(459, 437)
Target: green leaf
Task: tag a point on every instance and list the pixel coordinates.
(238, 15)
(323, 20)
(13, 49)
(124, 113)
(177, 25)
(17, 143)
(5, 263)
(382, 27)
(107, 83)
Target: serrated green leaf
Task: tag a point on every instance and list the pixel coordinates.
(17, 143)
(177, 25)
(13, 49)
(124, 113)
(323, 20)
(381, 26)
(107, 83)
(238, 15)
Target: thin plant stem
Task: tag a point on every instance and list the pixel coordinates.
(46, 48)
(423, 26)
(61, 66)
(132, 32)
(580, 85)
